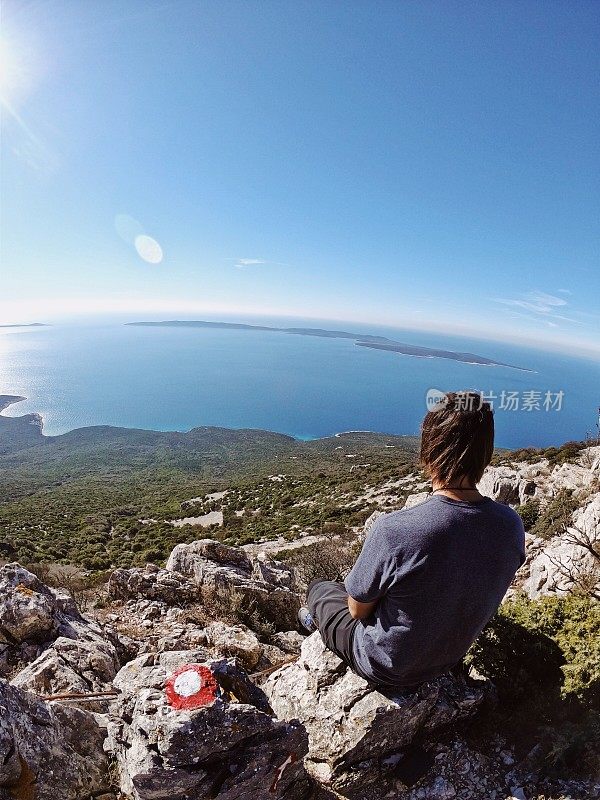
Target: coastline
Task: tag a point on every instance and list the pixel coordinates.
(36, 419)
(7, 400)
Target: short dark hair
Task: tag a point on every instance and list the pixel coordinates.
(457, 438)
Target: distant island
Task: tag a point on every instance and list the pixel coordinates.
(362, 340)
(26, 325)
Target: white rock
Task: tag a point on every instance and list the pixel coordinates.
(234, 640)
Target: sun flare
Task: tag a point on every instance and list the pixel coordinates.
(19, 69)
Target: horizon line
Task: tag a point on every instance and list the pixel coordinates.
(577, 348)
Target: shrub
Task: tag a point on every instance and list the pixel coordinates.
(330, 559)
(529, 512)
(87, 589)
(540, 652)
(556, 515)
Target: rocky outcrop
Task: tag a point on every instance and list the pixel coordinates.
(273, 572)
(565, 562)
(29, 608)
(48, 751)
(70, 665)
(288, 641)
(312, 728)
(230, 748)
(237, 641)
(152, 583)
(199, 559)
(46, 644)
(352, 727)
(505, 485)
(223, 572)
(517, 483)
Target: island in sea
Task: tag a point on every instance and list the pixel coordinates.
(25, 325)
(361, 339)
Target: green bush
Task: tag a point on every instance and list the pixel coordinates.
(541, 652)
(556, 515)
(529, 512)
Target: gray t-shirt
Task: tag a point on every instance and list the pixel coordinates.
(439, 571)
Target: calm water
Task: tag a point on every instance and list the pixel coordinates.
(175, 379)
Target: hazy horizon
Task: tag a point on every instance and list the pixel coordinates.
(443, 332)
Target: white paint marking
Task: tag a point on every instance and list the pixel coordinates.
(188, 683)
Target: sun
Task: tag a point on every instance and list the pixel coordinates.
(16, 71)
(9, 67)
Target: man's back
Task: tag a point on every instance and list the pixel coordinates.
(439, 570)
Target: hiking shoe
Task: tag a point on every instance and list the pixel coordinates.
(306, 620)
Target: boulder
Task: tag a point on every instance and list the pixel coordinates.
(48, 751)
(27, 606)
(226, 574)
(63, 651)
(234, 640)
(288, 641)
(152, 583)
(182, 637)
(557, 565)
(188, 559)
(271, 657)
(514, 485)
(350, 724)
(230, 748)
(70, 665)
(501, 484)
(274, 572)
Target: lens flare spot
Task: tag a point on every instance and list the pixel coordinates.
(148, 249)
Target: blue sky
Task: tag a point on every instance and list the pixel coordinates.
(422, 164)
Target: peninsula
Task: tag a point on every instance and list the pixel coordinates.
(361, 339)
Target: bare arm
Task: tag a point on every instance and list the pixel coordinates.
(360, 610)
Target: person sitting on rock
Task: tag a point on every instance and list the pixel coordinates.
(429, 577)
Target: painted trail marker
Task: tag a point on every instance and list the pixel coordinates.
(191, 686)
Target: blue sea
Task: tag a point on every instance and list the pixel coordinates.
(104, 372)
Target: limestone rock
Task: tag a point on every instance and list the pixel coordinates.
(555, 566)
(501, 484)
(234, 640)
(152, 583)
(56, 749)
(271, 656)
(188, 558)
(223, 572)
(273, 572)
(516, 484)
(63, 651)
(230, 749)
(348, 722)
(70, 665)
(288, 641)
(370, 521)
(182, 637)
(27, 606)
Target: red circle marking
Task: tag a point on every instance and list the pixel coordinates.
(191, 686)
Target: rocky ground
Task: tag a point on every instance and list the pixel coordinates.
(192, 681)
